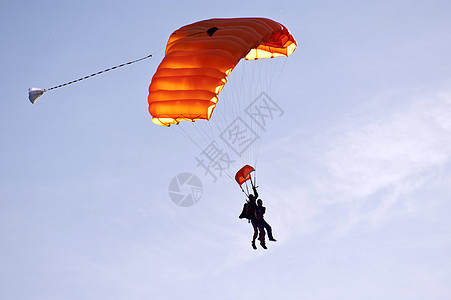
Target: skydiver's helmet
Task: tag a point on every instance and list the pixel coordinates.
(259, 202)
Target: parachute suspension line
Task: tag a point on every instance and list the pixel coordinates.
(230, 176)
(264, 77)
(230, 103)
(279, 74)
(250, 178)
(257, 85)
(186, 135)
(247, 194)
(263, 86)
(222, 118)
(243, 190)
(35, 93)
(239, 93)
(214, 130)
(201, 133)
(272, 69)
(255, 178)
(204, 134)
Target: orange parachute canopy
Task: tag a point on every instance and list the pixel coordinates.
(200, 56)
(244, 174)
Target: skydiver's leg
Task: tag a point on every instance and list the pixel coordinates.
(261, 229)
(254, 225)
(269, 230)
(262, 235)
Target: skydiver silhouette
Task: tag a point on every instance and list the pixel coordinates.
(262, 224)
(252, 214)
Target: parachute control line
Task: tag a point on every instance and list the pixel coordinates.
(35, 93)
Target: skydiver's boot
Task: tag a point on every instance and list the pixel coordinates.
(269, 230)
(263, 245)
(253, 245)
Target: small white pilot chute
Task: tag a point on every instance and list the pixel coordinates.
(35, 93)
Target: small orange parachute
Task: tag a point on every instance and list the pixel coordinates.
(244, 174)
(200, 56)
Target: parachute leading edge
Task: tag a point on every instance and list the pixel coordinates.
(200, 56)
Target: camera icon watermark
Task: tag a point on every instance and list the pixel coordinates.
(185, 189)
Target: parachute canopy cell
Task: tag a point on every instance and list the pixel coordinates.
(244, 174)
(200, 56)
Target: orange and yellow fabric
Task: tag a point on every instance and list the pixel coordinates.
(200, 56)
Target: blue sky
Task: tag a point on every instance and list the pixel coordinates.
(355, 174)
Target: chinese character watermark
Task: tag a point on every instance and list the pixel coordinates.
(214, 161)
(239, 136)
(263, 109)
(186, 189)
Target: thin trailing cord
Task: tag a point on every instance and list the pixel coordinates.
(100, 72)
(35, 93)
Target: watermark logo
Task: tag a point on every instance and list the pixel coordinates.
(239, 136)
(214, 160)
(185, 189)
(236, 138)
(263, 109)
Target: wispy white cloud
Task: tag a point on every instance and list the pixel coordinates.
(384, 160)
(368, 165)
(373, 156)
